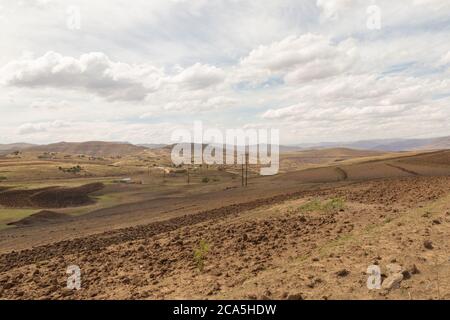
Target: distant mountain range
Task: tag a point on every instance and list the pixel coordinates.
(102, 148)
(92, 148)
(15, 146)
(152, 145)
(386, 144)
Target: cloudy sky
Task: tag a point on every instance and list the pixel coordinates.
(134, 70)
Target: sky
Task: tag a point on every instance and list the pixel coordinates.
(136, 70)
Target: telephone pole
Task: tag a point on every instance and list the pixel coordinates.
(246, 169)
(242, 169)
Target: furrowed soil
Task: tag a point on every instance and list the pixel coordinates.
(313, 242)
(50, 197)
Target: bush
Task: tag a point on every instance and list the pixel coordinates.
(313, 205)
(200, 254)
(205, 180)
(75, 169)
(332, 205)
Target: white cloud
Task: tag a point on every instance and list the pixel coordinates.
(199, 76)
(50, 104)
(93, 72)
(310, 67)
(332, 9)
(298, 59)
(30, 128)
(445, 60)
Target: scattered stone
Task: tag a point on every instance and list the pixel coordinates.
(342, 273)
(8, 285)
(413, 269)
(428, 244)
(436, 221)
(393, 268)
(406, 274)
(67, 292)
(392, 282)
(295, 296)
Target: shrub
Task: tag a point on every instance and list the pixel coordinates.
(200, 254)
(75, 169)
(205, 180)
(313, 205)
(332, 205)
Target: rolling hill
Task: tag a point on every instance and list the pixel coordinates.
(92, 148)
(15, 146)
(439, 143)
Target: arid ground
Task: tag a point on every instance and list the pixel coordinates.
(139, 228)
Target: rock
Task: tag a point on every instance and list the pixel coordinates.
(392, 282)
(428, 244)
(406, 274)
(67, 292)
(295, 296)
(8, 285)
(342, 273)
(19, 293)
(426, 214)
(413, 269)
(393, 268)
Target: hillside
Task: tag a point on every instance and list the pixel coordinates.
(338, 153)
(92, 148)
(387, 144)
(10, 147)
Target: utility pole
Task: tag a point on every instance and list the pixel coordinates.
(188, 178)
(246, 168)
(242, 169)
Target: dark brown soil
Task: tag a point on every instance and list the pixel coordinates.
(50, 197)
(41, 217)
(156, 260)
